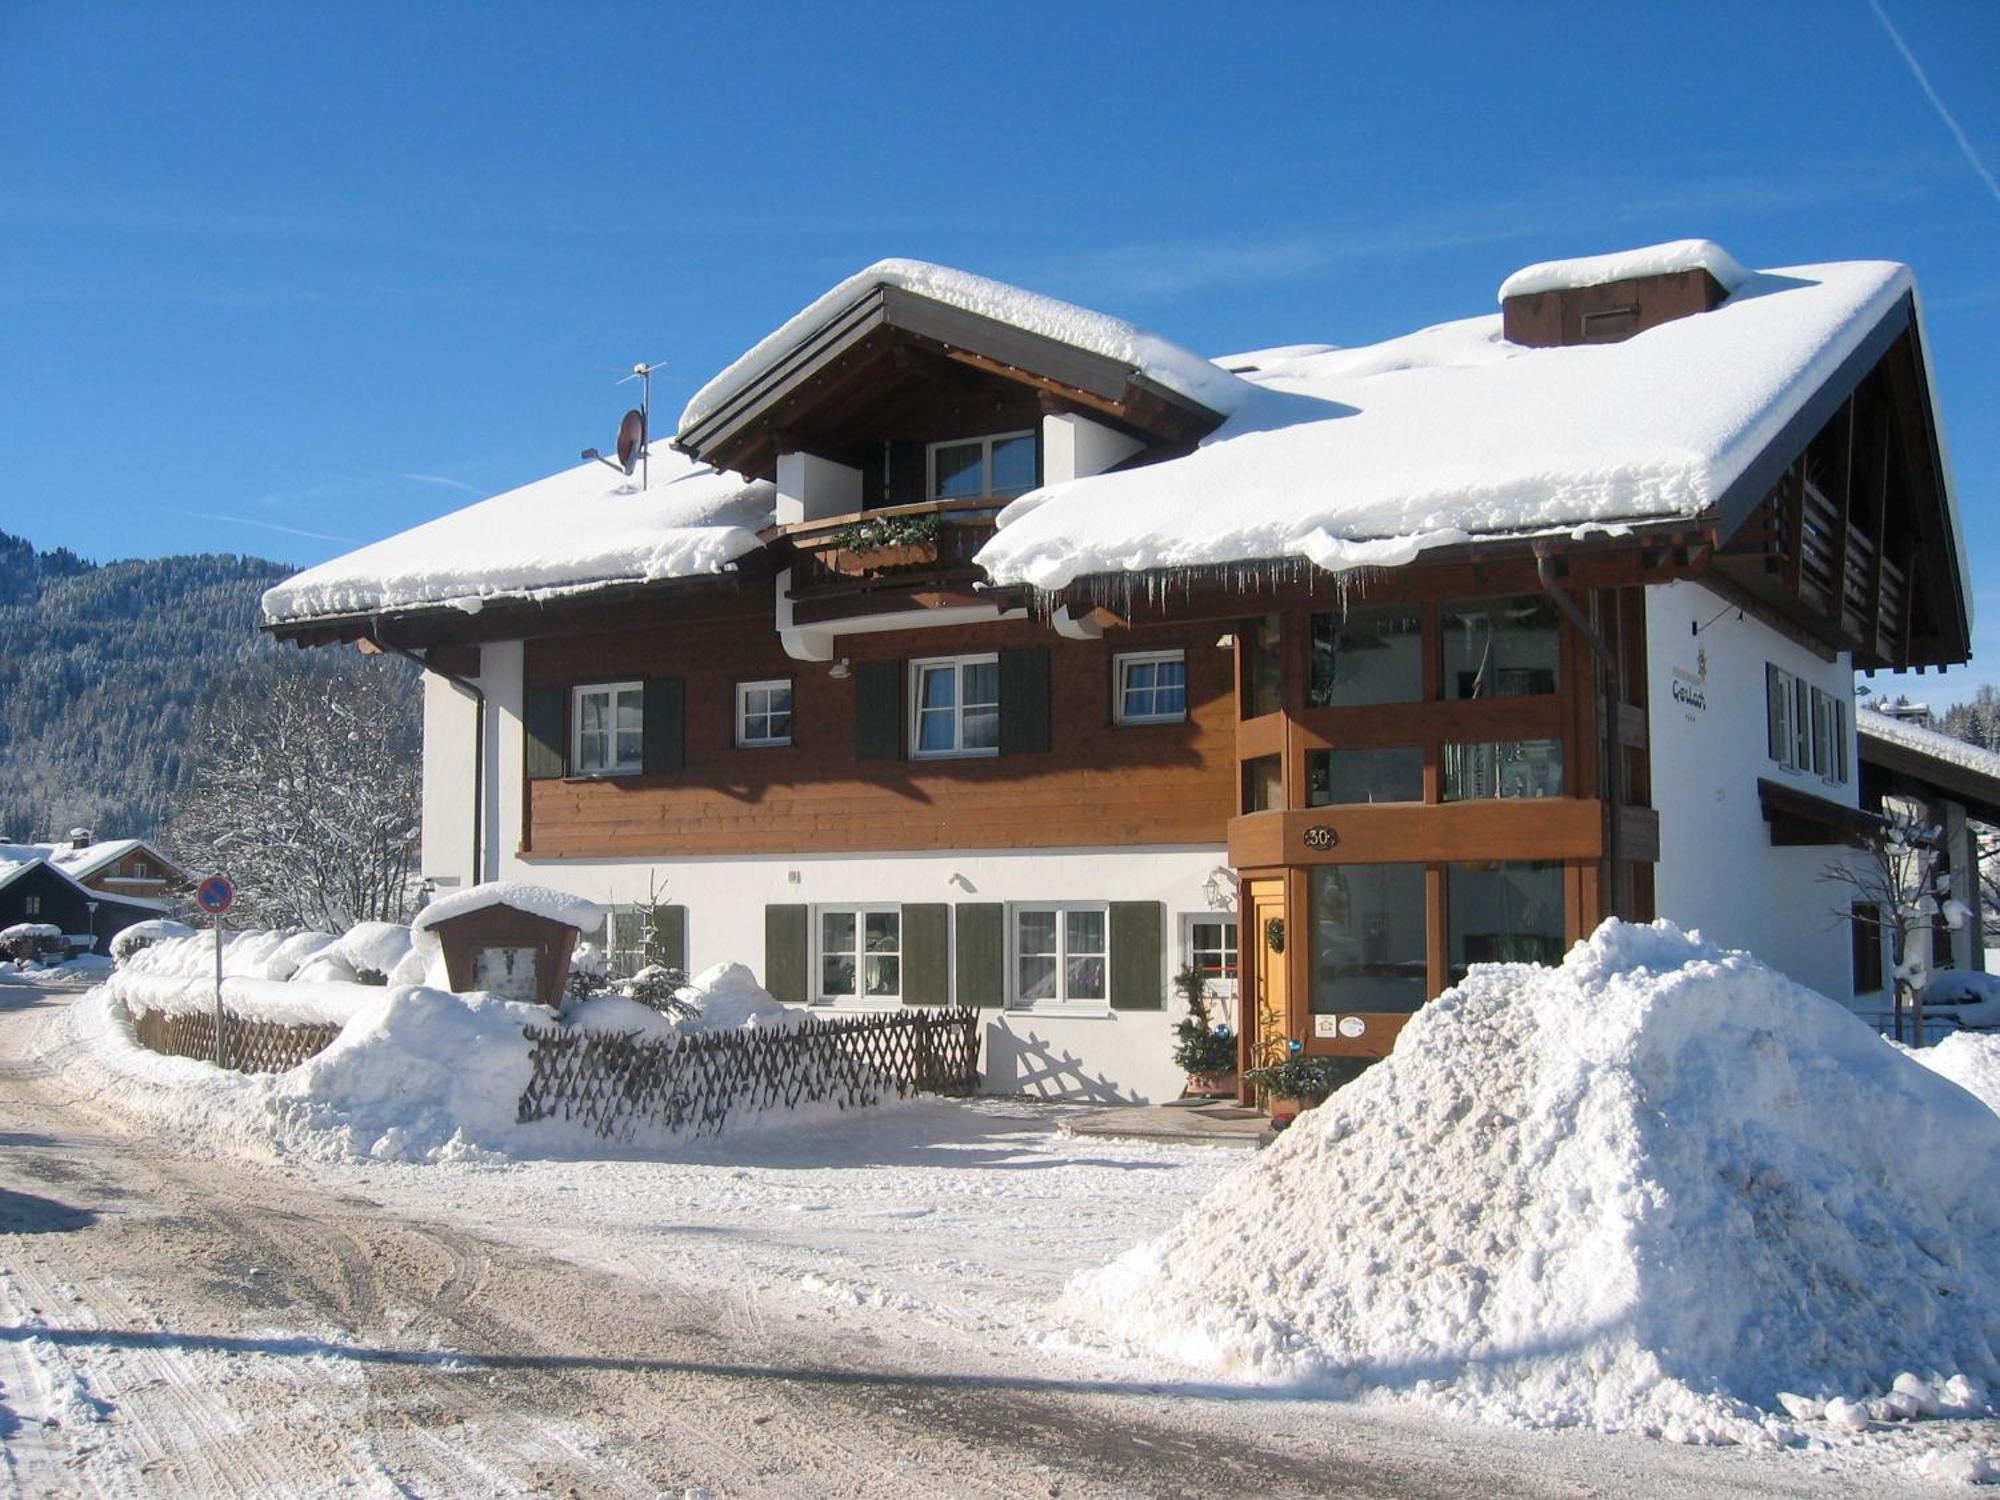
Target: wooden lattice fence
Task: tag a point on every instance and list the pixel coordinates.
(253, 1046)
(616, 1084)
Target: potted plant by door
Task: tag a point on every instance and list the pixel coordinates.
(1295, 1085)
(1205, 1051)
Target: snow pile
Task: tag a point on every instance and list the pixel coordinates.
(1625, 265)
(587, 527)
(245, 955)
(1651, 1189)
(1970, 1059)
(141, 935)
(1365, 457)
(725, 997)
(368, 951)
(22, 931)
(1159, 359)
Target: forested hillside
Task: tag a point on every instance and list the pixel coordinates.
(101, 670)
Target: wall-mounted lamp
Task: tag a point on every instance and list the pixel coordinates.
(1226, 641)
(791, 877)
(1220, 889)
(840, 671)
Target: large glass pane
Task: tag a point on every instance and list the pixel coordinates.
(960, 470)
(1372, 655)
(1264, 667)
(938, 687)
(1504, 768)
(1083, 976)
(1500, 648)
(1038, 977)
(1013, 464)
(1503, 913)
(1035, 952)
(880, 930)
(836, 931)
(981, 686)
(1395, 774)
(1368, 927)
(884, 974)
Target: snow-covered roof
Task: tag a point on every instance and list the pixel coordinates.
(1625, 265)
(1367, 456)
(80, 864)
(587, 527)
(1167, 363)
(541, 900)
(16, 860)
(1930, 743)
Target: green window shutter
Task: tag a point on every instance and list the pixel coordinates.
(982, 954)
(669, 938)
(878, 710)
(1024, 700)
(786, 952)
(927, 954)
(1137, 945)
(542, 716)
(664, 726)
(1776, 712)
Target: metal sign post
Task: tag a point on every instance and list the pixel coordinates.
(216, 895)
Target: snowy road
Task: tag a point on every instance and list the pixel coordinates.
(179, 1325)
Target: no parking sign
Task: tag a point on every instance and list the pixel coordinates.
(215, 895)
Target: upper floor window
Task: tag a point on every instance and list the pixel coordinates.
(1807, 729)
(955, 706)
(764, 713)
(607, 724)
(31, 906)
(1002, 465)
(1152, 687)
(1501, 648)
(1367, 656)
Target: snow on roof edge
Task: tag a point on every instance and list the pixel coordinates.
(1922, 740)
(1179, 369)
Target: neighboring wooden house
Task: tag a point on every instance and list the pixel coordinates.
(38, 885)
(981, 647)
(129, 869)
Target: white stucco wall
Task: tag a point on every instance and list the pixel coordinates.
(1104, 1055)
(1718, 870)
(450, 734)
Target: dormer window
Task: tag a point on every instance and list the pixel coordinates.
(998, 467)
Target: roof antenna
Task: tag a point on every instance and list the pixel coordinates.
(632, 430)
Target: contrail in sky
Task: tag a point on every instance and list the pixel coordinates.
(1964, 142)
(317, 536)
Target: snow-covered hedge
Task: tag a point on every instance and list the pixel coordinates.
(28, 942)
(136, 939)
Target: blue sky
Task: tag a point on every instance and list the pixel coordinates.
(276, 279)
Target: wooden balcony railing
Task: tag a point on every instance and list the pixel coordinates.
(827, 564)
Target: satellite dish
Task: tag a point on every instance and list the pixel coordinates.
(631, 440)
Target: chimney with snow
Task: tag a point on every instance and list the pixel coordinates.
(79, 838)
(1602, 299)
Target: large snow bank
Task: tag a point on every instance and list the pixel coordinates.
(1650, 1189)
(544, 901)
(1361, 457)
(1970, 1059)
(587, 527)
(1624, 265)
(1159, 359)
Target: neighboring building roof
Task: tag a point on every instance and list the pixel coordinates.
(1167, 364)
(587, 527)
(1966, 773)
(1365, 457)
(16, 860)
(81, 864)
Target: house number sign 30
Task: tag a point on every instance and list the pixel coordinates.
(1319, 836)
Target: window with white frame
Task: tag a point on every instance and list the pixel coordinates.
(764, 713)
(1809, 730)
(1208, 939)
(860, 957)
(999, 465)
(1152, 687)
(955, 706)
(1062, 955)
(607, 722)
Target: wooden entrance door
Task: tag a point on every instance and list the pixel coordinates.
(1270, 1035)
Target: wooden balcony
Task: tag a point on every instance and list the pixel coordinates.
(896, 558)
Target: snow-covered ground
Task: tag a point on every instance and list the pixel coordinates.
(946, 1234)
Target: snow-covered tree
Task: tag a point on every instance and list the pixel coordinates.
(305, 790)
(1898, 891)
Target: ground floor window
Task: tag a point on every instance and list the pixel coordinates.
(1502, 912)
(1368, 949)
(1062, 955)
(1209, 941)
(1866, 917)
(860, 954)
